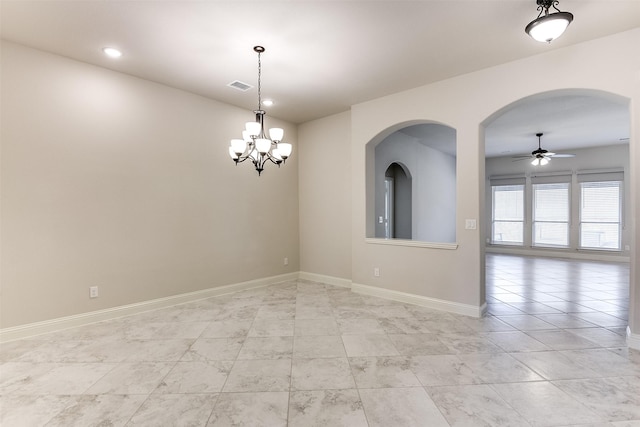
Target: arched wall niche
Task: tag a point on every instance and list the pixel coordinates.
(426, 151)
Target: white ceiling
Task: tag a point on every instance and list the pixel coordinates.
(436, 136)
(568, 120)
(321, 56)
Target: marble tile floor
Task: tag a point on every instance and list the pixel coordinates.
(551, 352)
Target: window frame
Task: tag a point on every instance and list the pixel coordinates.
(620, 186)
(534, 221)
(517, 182)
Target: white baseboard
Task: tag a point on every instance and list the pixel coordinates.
(483, 310)
(442, 305)
(633, 340)
(329, 280)
(38, 328)
(436, 304)
(550, 253)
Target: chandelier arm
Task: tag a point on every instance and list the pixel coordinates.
(274, 160)
(241, 159)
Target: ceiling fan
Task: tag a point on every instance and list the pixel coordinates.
(541, 156)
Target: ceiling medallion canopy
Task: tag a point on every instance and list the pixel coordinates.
(255, 145)
(548, 26)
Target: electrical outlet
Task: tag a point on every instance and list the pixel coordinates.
(93, 292)
(376, 272)
(286, 261)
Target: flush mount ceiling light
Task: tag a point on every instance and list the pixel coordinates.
(112, 52)
(548, 26)
(254, 144)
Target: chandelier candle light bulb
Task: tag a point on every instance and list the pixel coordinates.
(255, 145)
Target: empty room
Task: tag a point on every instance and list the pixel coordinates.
(320, 213)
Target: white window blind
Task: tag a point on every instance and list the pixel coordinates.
(507, 214)
(550, 213)
(600, 215)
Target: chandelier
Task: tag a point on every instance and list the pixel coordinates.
(549, 26)
(255, 145)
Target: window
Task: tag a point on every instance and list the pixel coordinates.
(508, 214)
(551, 214)
(600, 214)
(591, 217)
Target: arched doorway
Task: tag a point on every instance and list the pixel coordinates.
(397, 202)
(583, 199)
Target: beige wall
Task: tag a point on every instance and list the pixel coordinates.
(325, 196)
(465, 103)
(114, 181)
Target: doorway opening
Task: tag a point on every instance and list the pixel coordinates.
(397, 203)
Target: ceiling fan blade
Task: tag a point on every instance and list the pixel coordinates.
(549, 154)
(528, 156)
(519, 159)
(559, 155)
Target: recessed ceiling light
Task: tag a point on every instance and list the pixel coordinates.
(112, 52)
(267, 103)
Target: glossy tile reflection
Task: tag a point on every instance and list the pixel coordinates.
(551, 352)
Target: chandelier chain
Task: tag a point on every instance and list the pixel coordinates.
(259, 81)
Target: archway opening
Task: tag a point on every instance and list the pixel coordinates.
(574, 206)
(549, 207)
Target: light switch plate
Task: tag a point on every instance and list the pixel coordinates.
(470, 224)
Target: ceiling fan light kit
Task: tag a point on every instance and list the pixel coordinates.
(548, 26)
(540, 161)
